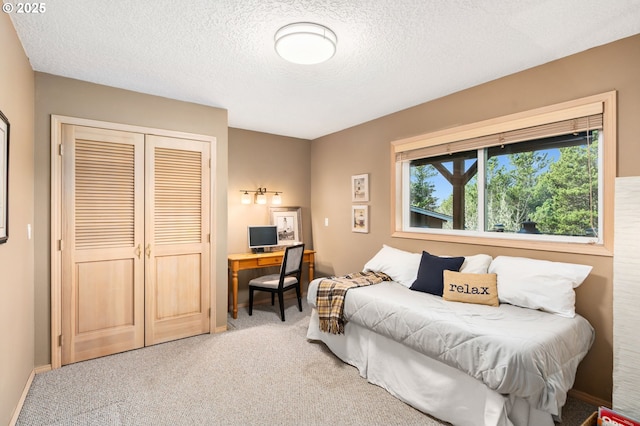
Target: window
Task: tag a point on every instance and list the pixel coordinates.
(540, 179)
(443, 191)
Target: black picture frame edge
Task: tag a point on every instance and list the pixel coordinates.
(5, 238)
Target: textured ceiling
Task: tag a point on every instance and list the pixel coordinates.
(391, 54)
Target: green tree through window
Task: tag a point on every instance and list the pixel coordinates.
(570, 193)
(422, 188)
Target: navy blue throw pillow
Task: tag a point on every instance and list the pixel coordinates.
(430, 272)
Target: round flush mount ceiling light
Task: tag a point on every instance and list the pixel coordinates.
(305, 43)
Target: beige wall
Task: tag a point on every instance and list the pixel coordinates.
(16, 256)
(366, 149)
(63, 96)
(277, 163)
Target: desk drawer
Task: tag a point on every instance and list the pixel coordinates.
(270, 261)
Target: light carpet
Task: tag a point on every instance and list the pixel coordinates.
(262, 371)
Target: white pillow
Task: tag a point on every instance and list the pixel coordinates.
(476, 264)
(539, 284)
(402, 266)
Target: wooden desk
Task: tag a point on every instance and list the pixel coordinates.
(241, 261)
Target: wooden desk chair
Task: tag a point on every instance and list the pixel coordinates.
(287, 279)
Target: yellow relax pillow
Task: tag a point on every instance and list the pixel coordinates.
(470, 288)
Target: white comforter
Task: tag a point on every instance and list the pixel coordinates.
(517, 351)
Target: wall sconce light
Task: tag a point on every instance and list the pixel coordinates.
(260, 196)
(246, 198)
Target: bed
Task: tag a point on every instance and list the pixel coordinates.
(465, 363)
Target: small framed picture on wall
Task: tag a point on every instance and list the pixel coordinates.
(360, 188)
(289, 224)
(360, 219)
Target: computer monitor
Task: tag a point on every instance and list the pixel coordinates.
(261, 237)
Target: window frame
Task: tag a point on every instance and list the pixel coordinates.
(446, 140)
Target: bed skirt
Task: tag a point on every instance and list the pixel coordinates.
(424, 383)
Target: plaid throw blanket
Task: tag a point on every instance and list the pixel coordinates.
(331, 293)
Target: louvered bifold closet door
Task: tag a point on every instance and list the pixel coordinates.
(177, 238)
(102, 242)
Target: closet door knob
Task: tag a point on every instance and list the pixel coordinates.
(148, 251)
(138, 251)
